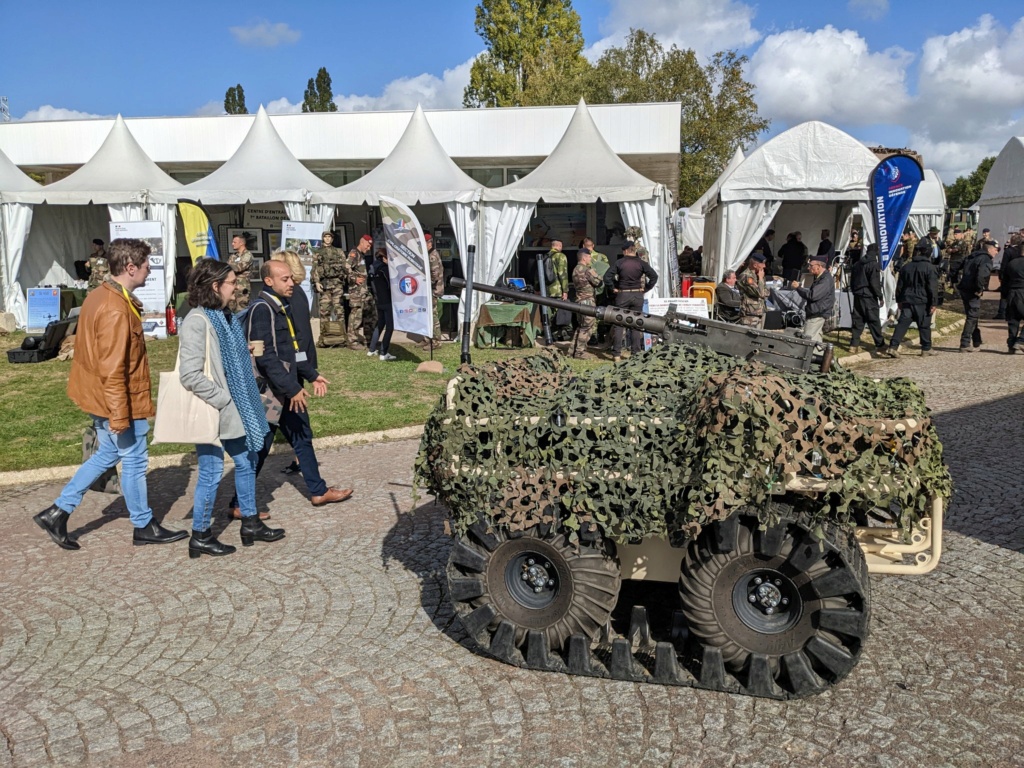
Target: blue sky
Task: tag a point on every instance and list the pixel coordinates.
(880, 69)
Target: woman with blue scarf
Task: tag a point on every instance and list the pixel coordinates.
(231, 389)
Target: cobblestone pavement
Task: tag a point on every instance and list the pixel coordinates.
(338, 646)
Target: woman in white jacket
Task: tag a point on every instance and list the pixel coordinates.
(231, 389)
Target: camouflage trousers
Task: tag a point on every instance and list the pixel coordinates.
(332, 303)
(369, 315)
(586, 328)
(437, 319)
(356, 313)
(752, 321)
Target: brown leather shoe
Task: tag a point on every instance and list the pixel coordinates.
(236, 514)
(333, 496)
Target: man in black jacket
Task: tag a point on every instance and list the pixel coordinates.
(1011, 287)
(917, 293)
(866, 287)
(625, 283)
(793, 254)
(977, 270)
(820, 297)
(281, 364)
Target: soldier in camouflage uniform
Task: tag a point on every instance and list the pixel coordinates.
(357, 291)
(98, 266)
(436, 288)
(753, 291)
(955, 252)
(241, 263)
(597, 260)
(559, 287)
(586, 281)
(330, 278)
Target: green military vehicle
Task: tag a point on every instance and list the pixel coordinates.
(686, 517)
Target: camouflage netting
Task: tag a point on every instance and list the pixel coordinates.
(673, 439)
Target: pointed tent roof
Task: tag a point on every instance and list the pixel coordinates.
(709, 195)
(1005, 182)
(119, 172)
(931, 196)
(581, 168)
(262, 170)
(13, 180)
(417, 170)
(812, 161)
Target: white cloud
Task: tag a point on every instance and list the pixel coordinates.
(706, 26)
(283, 107)
(871, 9)
(263, 34)
(828, 75)
(406, 92)
(970, 95)
(47, 112)
(210, 109)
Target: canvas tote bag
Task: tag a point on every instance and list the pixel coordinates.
(182, 417)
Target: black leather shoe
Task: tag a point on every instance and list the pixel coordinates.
(254, 529)
(154, 533)
(205, 543)
(54, 521)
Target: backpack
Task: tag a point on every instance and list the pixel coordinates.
(549, 269)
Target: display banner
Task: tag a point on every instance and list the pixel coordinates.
(153, 294)
(303, 237)
(199, 234)
(411, 302)
(43, 307)
(893, 185)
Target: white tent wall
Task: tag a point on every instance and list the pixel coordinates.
(15, 225)
(929, 208)
(302, 212)
(650, 216)
(1002, 200)
(60, 236)
(735, 229)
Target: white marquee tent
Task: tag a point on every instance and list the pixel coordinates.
(691, 230)
(263, 170)
(811, 177)
(582, 168)
(15, 223)
(929, 208)
(69, 212)
(1002, 199)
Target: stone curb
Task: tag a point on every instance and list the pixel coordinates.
(862, 357)
(50, 474)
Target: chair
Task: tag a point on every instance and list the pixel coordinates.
(705, 291)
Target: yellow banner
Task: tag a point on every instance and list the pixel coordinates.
(199, 235)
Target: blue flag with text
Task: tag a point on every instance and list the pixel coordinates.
(893, 185)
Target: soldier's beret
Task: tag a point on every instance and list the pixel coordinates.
(428, 237)
(628, 244)
(758, 257)
(367, 238)
(97, 241)
(326, 233)
(583, 252)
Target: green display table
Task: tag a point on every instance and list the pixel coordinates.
(71, 298)
(507, 325)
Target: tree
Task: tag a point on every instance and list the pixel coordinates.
(719, 113)
(318, 96)
(234, 101)
(534, 54)
(965, 192)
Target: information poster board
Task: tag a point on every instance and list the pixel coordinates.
(43, 307)
(303, 237)
(695, 307)
(153, 294)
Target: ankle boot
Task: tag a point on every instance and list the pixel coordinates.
(254, 529)
(54, 521)
(205, 543)
(154, 533)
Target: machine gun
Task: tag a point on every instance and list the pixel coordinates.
(787, 352)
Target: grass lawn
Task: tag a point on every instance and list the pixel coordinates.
(41, 427)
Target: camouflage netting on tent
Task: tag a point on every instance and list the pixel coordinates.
(673, 439)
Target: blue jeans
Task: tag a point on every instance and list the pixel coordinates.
(211, 467)
(131, 450)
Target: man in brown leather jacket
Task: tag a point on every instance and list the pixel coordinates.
(110, 382)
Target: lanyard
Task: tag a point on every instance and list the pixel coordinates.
(291, 328)
(131, 303)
